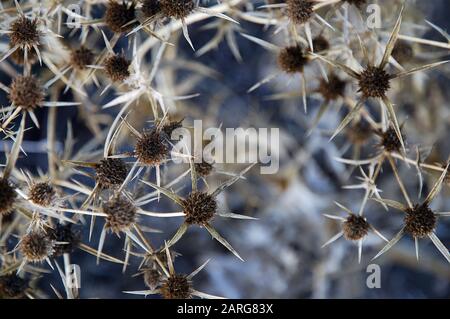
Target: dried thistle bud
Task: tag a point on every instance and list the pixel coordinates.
(359, 133)
(119, 16)
(333, 89)
(355, 227)
(24, 32)
(66, 239)
(152, 278)
(152, 147)
(403, 52)
(81, 58)
(121, 214)
(357, 3)
(171, 126)
(150, 8)
(292, 59)
(178, 9)
(18, 56)
(199, 208)
(390, 141)
(420, 221)
(176, 287)
(374, 82)
(300, 11)
(320, 44)
(26, 92)
(203, 169)
(110, 172)
(7, 197)
(12, 286)
(36, 246)
(116, 68)
(42, 194)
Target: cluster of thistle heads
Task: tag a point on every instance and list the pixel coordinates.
(110, 55)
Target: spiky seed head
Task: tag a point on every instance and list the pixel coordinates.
(292, 59)
(320, 44)
(199, 208)
(18, 56)
(24, 32)
(117, 68)
(36, 246)
(152, 278)
(152, 148)
(333, 89)
(7, 197)
(359, 133)
(150, 8)
(119, 16)
(357, 3)
(403, 52)
(300, 11)
(25, 91)
(178, 9)
(355, 227)
(420, 221)
(42, 194)
(66, 239)
(374, 82)
(171, 126)
(121, 214)
(110, 172)
(390, 141)
(12, 286)
(176, 287)
(81, 58)
(203, 169)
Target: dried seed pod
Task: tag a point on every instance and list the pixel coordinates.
(176, 287)
(152, 278)
(292, 59)
(390, 141)
(152, 148)
(178, 9)
(121, 214)
(7, 197)
(110, 172)
(333, 88)
(24, 32)
(199, 208)
(150, 8)
(320, 44)
(355, 227)
(374, 82)
(119, 16)
(42, 194)
(81, 58)
(203, 169)
(26, 92)
(300, 11)
(420, 221)
(36, 246)
(66, 239)
(12, 286)
(116, 68)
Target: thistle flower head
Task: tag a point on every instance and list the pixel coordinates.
(12, 286)
(119, 16)
(26, 92)
(121, 214)
(110, 172)
(36, 246)
(178, 9)
(24, 32)
(420, 221)
(390, 141)
(42, 194)
(7, 197)
(333, 88)
(374, 82)
(292, 59)
(150, 8)
(176, 287)
(66, 238)
(81, 58)
(152, 147)
(355, 227)
(171, 126)
(152, 278)
(320, 43)
(203, 169)
(300, 11)
(199, 208)
(117, 68)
